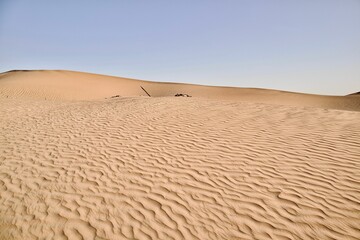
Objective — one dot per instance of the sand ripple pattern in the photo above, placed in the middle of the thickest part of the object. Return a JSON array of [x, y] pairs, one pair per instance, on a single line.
[[177, 168]]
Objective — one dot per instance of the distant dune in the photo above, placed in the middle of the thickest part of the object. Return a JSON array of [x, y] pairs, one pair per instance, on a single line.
[[357, 94], [69, 85], [86, 156]]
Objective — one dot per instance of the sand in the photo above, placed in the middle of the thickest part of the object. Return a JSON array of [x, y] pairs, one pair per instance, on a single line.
[[227, 163], [70, 85]]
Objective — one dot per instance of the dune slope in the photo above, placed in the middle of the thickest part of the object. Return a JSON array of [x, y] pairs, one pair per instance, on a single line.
[[206, 167], [70, 85], [177, 168]]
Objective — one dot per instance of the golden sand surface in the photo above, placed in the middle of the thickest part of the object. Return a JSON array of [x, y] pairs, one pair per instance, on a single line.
[[226, 163]]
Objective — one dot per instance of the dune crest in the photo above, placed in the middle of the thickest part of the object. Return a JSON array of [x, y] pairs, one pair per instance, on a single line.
[[70, 85]]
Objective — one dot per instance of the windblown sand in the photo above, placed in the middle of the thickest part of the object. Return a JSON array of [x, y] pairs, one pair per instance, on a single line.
[[135, 167]]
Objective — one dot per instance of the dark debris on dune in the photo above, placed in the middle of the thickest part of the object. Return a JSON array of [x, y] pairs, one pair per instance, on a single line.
[[182, 95]]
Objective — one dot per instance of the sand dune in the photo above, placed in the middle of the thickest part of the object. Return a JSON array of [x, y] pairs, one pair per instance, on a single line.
[[357, 94], [214, 166], [69, 85]]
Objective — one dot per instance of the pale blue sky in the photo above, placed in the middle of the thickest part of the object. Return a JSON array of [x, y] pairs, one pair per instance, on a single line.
[[308, 46]]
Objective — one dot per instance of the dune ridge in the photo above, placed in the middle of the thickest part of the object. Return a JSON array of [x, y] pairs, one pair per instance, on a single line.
[[71, 85], [79, 166]]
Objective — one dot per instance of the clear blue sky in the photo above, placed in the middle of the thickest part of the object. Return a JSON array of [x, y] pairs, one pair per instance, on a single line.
[[308, 46]]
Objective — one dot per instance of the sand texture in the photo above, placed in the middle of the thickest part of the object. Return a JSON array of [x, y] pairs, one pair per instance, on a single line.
[[213, 166], [69, 85]]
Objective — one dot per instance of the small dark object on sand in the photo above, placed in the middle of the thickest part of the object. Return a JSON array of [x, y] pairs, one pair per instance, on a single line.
[[115, 96], [182, 95], [145, 91]]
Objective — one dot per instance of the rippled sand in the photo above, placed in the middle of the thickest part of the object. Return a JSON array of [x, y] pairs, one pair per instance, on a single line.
[[176, 168]]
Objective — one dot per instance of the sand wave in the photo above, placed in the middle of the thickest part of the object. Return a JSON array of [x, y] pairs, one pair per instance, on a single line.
[[177, 168]]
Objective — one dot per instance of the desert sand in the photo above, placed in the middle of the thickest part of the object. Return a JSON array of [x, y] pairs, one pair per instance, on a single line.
[[227, 163]]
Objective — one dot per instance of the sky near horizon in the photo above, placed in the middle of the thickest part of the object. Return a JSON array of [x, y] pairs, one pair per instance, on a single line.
[[310, 46]]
